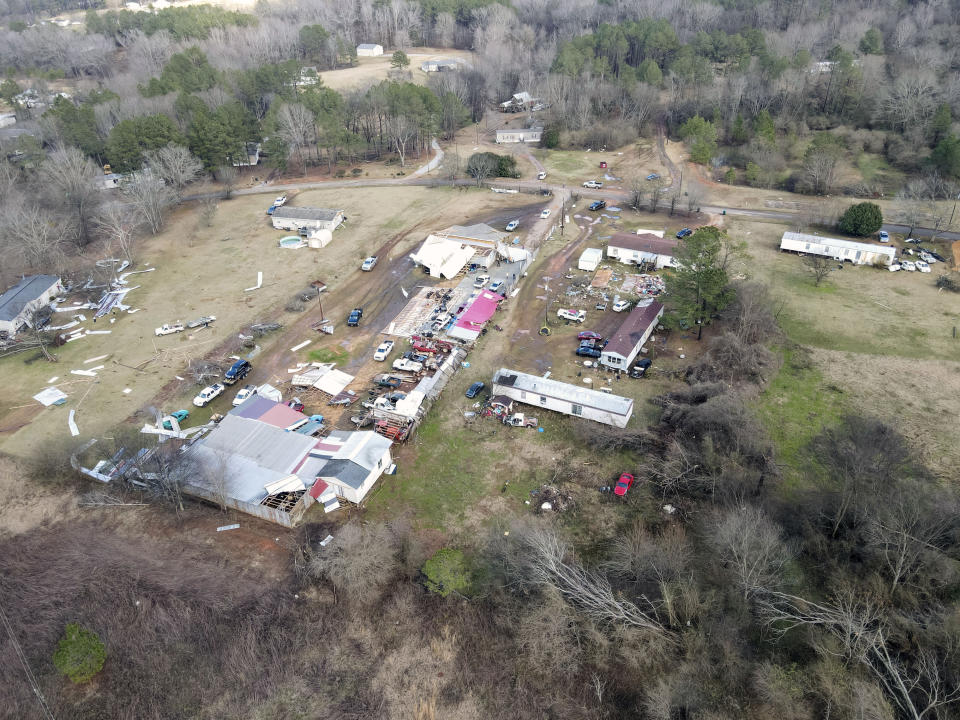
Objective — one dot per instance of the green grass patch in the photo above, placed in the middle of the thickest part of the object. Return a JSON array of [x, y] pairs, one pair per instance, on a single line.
[[795, 407], [327, 355]]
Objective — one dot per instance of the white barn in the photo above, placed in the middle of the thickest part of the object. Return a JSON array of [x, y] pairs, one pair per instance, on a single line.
[[369, 50], [635, 249], [290, 217], [590, 259], [857, 253], [563, 398], [19, 302], [517, 135], [630, 337]]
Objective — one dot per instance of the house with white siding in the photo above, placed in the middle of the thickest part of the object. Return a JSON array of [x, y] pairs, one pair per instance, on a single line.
[[625, 344], [369, 50], [519, 135], [18, 304], [563, 397], [857, 253], [636, 249], [290, 217]]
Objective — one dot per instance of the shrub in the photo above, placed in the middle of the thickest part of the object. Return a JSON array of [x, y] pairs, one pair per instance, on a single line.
[[80, 654], [861, 219], [550, 137], [447, 572]]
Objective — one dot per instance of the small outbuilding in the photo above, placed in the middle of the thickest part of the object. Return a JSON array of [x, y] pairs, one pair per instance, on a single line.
[[369, 50], [590, 259], [519, 135], [18, 304], [857, 253], [563, 397], [629, 338], [441, 65], [290, 217], [635, 249]]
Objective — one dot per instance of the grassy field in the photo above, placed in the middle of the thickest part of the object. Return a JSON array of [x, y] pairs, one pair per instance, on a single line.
[[372, 70], [574, 167]]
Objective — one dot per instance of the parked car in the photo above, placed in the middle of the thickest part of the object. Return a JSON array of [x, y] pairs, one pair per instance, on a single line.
[[922, 266], [178, 415], [545, 213], [640, 369], [383, 350], [541, 175], [593, 184], [271, 209], [237, 371], [623, 484], [936, 256], [208, 393], [280, 201], [883, 236], [169, 328], [407, 365], [603, 164], [685, 232], [353, 319], [475, 389], [588, 352], [481, 281], [927, 257], [369, 263], [513, 225], [620, 305], [575, 315], [246, 392], [589, 335], [653, 176], [598, 205], [894, 267], [497, 286], [913, 240], [908, 265], [387, 381]]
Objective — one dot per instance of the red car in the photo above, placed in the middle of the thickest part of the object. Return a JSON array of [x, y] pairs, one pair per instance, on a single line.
[[589, 335], [623, 484]]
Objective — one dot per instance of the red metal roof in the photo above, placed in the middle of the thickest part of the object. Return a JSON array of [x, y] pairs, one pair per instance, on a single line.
[[318, 489], [281, 416]]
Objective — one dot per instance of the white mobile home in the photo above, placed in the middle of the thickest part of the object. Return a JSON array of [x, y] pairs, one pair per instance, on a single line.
[[19, 302], [630, 337], [518, 135], [355, 461], [369, 50], [840, 250], [290, 217], [590, 259], [563, 398], [635, 249]]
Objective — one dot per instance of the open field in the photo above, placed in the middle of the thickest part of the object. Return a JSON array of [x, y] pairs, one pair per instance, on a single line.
[[574, 167], [372, 70]]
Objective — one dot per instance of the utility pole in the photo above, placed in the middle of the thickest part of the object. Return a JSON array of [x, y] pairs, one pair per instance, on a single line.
[[954, 210]]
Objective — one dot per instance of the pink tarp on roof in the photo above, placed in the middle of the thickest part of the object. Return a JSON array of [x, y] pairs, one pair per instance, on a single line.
[[479, 312]]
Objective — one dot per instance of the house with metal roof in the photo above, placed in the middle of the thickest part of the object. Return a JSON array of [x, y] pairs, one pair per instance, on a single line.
[[590, 259], [354, 461], [630, 337], [442, 65], [369, 50], [18, 304], [639, 248], [518, 135], [446, 252], [857, 253], [290, 217], [563, 397]]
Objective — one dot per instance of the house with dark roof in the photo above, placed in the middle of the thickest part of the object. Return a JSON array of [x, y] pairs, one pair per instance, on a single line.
[[18, 304], [636, 249], [290, 217], [629, 338]]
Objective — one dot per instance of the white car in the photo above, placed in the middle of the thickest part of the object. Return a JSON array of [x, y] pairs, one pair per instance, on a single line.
[[927, 257], [169, 328], [481, 281], [369, 264], [884, 236], [497, 286], [894, 267], [542, 175], [513, 225], [922, 266], [208, 394], [247, 392], [907, 265], [620, 305], [545, 213], [593, 184], [280, 201], [383, 350], [407, 365], [575, 315]]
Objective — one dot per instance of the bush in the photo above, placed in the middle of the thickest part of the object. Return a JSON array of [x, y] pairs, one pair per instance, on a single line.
[[550, 137], [447, 572], [861, 219], [80, 654]]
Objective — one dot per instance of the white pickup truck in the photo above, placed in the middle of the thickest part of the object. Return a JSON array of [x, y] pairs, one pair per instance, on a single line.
[[169, 328], [407, 365], [575, 315]]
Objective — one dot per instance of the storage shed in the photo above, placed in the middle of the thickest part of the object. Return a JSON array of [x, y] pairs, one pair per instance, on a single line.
[[563, 397], [630, 337], [19, 302], [590, 259], [290, 217], [857, 253], [369, 50], [635, 249]]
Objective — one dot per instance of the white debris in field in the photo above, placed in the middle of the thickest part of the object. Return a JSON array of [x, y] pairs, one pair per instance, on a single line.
[[74, 430]]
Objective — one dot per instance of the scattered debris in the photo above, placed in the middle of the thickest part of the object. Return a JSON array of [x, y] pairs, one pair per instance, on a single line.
[[300, 346], [258, 285], [74, 430], [235, 526], [50, 396], [94, 359]]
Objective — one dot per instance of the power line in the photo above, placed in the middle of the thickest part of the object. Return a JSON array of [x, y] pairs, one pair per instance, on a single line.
[[31, 678]]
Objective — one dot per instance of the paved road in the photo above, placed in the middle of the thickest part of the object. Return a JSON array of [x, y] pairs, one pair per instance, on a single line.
[[535, 186]]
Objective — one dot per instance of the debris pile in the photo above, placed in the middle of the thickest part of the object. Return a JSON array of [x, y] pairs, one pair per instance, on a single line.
[[556, 500]]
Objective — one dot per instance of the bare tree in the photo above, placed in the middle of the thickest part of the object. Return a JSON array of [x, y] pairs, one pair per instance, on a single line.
[[118, 223], [72, 178], [750, 545], [150, 196], [656, 188], [820, 170], [638, 191], [402, 130], [227, 176], [176, 165], [695, 196], [358, 563], [819, 266], [480, 166], [298, 128]]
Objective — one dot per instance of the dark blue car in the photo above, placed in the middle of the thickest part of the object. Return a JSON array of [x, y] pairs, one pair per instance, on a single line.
[[475, 389], [684, 233]]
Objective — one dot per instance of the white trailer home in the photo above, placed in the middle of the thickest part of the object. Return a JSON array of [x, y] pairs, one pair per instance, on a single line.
[[563, 398], [369, 50], [290, 217], [857, 253], [519, 135], [630, 337], [635, 249], [590, 259]]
